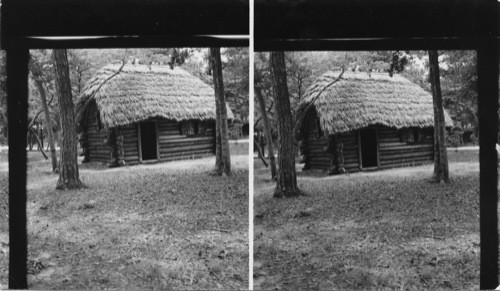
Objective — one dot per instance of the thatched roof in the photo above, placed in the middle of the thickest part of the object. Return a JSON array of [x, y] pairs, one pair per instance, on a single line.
[[137, 93], [358, 100]]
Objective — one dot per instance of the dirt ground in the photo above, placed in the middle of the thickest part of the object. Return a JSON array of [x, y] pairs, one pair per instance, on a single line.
[[389, 229], [160, 226]]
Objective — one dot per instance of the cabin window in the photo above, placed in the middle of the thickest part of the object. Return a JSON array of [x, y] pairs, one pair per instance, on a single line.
[[410, 135], [319, 131], [190, 128]]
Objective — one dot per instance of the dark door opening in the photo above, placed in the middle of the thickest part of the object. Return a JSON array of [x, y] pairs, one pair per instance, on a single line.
[[148, 141], [368, 147]]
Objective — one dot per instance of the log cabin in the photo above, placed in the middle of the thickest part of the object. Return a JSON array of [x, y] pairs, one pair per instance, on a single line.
[[133, 114], [355, 121]]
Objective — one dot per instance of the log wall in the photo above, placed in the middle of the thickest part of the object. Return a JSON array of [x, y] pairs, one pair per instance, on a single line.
[[130, 144], [316, 145], [99, 151], [175, 146], [392, 151], [172, 145]]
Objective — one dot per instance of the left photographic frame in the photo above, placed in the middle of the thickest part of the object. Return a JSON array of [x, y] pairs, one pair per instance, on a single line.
[[154, 210]]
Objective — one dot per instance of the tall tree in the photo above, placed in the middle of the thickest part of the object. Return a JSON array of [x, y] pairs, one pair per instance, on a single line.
[[35, 67], [287, 179], [440, 155], [267, 130], [68, 167], [3, 98], [48, 126], [223, 159]]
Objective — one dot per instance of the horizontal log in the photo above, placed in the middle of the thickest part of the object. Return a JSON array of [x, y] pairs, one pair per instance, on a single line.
[[102, 151], [166, 145], [405, 147], [174, 156], [320, 163], [406, 158], [351, 166], [405, 155], [131, 158], [99, 159], [186, 149], [169, 147], [192, 139], [169, 137], [320, 159], [321, 167], [389, 140], [404, 152], [169, 127], [405, 161], [351, 161], [169, 130], [98, 145], [165, 133], [407, 152], [176, 144], [313, 140], [390, 144], [128, 129], [189, 157], [324, 155], [97, 134], [130, 143], [130, 151], [100, 154], [133, 144], [106, 155], [128, 135], [413, 164], [97, 138]]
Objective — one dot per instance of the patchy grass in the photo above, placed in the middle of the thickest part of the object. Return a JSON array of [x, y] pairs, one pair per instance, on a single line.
[[374, 230], [160, 226]]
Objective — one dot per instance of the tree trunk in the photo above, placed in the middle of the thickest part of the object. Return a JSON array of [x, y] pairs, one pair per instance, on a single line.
[[286, 180], [68, 167], [48, 125], [259, 152], [220, 99], [440, 155], [267, 130], [218, 141]]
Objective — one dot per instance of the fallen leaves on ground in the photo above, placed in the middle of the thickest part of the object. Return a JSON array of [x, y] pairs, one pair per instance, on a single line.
[[374, 230], [161, 226]]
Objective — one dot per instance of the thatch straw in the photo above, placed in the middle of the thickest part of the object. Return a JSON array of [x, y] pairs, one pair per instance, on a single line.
[[138, 93], [359, 100]]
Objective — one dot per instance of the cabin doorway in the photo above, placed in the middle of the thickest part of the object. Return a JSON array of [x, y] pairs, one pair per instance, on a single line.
[[149, 141], [368, 140]]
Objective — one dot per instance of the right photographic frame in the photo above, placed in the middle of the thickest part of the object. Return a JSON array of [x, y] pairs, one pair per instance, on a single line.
[[374, 149]]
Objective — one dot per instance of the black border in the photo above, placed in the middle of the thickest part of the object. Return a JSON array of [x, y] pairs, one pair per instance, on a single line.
[[347, 25], [379, 24], [279, 25], [176, 18], [32, 24]]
